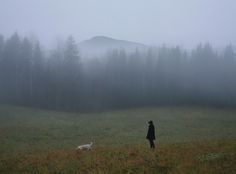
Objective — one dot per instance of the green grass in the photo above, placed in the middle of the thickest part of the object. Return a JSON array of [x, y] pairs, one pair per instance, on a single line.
[[30, 137], [215, 157]]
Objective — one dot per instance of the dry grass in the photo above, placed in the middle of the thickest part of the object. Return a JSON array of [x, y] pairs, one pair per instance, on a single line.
[[37, 141], [215, 157]]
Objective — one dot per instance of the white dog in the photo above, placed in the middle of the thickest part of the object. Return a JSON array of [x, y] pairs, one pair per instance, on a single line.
[[85, 146]]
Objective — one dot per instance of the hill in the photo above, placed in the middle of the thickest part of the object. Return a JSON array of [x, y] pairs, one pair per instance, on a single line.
[[99, 45]]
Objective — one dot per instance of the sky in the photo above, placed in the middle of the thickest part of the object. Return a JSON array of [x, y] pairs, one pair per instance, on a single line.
[[153, 22]]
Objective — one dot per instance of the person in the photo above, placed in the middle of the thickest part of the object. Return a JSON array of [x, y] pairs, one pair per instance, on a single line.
[[151, 134]]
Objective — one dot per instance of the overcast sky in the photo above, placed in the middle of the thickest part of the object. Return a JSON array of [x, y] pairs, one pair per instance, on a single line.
[[184, 22]]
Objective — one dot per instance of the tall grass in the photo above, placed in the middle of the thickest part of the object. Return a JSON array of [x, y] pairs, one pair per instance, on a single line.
[[199, 157], [189, 140]]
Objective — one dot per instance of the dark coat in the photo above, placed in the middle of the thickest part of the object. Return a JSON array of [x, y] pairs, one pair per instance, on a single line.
[[151, 132]]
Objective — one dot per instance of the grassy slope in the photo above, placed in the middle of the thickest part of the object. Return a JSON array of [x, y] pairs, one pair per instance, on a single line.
[[30, 138]]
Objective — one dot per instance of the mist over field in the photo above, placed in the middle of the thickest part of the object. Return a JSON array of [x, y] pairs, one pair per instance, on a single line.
[[114, 74], [85, 56], [101, 75]]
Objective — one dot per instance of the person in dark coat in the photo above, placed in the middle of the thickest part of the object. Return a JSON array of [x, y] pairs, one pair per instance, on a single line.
[[151, 134]]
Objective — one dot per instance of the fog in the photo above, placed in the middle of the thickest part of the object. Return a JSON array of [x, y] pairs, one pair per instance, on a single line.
[[102, 55], [153, 22], [163, 75]]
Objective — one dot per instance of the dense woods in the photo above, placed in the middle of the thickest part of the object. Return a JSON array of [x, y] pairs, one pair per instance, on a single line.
[[60, 79]]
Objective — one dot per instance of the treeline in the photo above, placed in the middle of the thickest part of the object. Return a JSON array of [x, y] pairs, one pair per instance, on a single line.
[[60, 80]]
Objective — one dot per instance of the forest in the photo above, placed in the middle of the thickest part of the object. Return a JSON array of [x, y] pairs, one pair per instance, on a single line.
[[60, 79]]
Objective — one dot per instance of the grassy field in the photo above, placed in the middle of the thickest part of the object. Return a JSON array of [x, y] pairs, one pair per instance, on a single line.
[[189, 140]]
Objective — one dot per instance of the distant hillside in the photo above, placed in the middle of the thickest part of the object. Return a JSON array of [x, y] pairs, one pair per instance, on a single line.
[[99, 45]]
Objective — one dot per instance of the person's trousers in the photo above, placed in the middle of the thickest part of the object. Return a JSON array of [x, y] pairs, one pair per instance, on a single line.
[[152, 145]]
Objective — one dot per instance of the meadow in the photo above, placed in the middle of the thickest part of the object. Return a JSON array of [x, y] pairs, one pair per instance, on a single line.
[[190, 139]]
